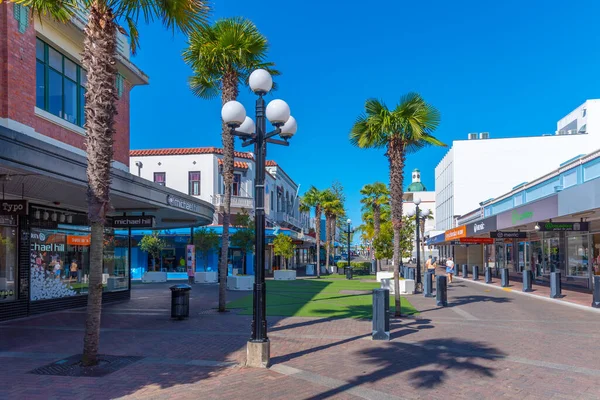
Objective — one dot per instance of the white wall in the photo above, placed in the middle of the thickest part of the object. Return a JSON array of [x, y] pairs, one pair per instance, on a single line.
[[444, 192]]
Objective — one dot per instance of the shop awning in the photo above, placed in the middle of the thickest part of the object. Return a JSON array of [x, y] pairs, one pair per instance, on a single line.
[[49, 175]]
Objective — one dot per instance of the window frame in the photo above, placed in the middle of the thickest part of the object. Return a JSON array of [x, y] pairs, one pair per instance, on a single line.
[[164, 175], [239, 186], [78, 99], [190, 182]]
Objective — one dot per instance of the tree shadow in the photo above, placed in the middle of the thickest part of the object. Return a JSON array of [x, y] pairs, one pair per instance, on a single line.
[[463, 300], [437, 355]]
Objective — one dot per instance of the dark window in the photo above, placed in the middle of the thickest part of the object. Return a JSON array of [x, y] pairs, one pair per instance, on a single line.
[[194, 178], [236, 186], [60, 84], [272, 199], [160, 178]]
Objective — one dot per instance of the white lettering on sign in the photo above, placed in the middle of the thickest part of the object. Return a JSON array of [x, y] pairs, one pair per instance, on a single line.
[[478, 227], [12, 208]]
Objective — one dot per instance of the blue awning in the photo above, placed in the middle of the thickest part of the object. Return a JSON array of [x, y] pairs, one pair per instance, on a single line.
[[441, 238]]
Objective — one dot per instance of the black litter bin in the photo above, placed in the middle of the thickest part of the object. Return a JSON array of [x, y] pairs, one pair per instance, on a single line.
[[180, 301], [348, 271]]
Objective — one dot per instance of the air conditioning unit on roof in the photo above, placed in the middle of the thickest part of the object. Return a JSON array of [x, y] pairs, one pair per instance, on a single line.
[[472, 136]]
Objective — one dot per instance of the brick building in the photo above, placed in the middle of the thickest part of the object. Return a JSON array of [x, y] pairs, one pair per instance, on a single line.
[[44, 233]]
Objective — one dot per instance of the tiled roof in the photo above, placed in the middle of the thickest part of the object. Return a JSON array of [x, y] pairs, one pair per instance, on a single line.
[[186, 151], [271, 163], [236, 164]]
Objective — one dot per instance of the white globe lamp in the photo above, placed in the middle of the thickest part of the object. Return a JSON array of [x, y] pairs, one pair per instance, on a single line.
[[247, 126], [426, 212], [289, 128], [261, 81], [278, 112], [417, 201], [349, 221], [233, 113]]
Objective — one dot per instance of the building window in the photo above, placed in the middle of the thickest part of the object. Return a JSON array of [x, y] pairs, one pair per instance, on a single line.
[[160, 178], [194, 179], [60, 84], [272, 200], [237, 185]]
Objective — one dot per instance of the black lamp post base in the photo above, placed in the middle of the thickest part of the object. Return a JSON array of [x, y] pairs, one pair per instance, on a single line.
[[258, 354]]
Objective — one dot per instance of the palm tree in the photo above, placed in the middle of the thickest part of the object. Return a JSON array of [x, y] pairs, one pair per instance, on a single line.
[[222, 56], [313, 198], [403, 130], [332, 206], [100, 59], [375, 195]]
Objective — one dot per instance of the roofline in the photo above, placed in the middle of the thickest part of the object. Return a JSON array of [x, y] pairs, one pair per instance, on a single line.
[[192, 151]]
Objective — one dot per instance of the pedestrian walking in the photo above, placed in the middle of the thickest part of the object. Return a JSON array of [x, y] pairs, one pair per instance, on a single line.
[[450, 269]]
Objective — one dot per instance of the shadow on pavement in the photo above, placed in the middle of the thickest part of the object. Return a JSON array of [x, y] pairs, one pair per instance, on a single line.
[[463, 300], [437, 355]]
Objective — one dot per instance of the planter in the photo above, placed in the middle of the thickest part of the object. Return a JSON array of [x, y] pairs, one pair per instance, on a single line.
[[285, 275], [384, 275], [407, 286], [154, 276], [333, 269], [240, 282], [206, 277]]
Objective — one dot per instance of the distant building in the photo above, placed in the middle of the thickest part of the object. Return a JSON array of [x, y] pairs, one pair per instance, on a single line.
[[416, 189]]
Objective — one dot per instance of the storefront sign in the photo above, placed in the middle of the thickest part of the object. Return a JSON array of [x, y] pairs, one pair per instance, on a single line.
[[13, 207], [564, 226], [8, 220], [477, 241], [532, 212], [146, 221], [456, 233], [178, 202], [75, 240], [441, 238], [190, 257], [483, 226], [508, 235]]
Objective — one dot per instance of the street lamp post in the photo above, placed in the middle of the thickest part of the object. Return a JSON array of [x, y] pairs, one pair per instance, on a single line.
[[234, 115], [418, 215], [350, 231]]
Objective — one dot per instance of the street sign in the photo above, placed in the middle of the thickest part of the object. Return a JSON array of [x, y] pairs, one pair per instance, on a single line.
[[564, 226], [508, 235], [13, 207], [146, 221]]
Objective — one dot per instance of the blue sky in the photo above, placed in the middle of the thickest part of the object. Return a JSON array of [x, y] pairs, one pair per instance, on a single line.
[[509, 68]]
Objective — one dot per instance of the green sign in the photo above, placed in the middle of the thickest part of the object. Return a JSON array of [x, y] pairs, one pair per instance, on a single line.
[[564, 226], [517, 217]]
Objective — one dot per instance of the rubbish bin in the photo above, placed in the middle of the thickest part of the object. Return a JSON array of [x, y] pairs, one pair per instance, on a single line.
[[180, 301], [348, 271]]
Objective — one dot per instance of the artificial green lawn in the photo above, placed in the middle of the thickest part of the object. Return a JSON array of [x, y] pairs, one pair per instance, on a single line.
[[314, 297]]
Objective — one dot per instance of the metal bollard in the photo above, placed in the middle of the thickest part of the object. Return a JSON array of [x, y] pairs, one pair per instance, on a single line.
[[373, 267], [475, 272], [555, 289], [428, 285], [488, 275], [504, 277], [381, 314], [465, 271], [403, 271], [596, 298], [411, 273], [441, 293], [527, 280]]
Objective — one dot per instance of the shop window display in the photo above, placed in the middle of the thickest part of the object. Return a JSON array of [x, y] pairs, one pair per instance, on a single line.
[[8, 262]]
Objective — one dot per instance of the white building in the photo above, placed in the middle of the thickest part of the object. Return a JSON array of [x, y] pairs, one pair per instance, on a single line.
[[483, 168], [418, 190], [197, 172]]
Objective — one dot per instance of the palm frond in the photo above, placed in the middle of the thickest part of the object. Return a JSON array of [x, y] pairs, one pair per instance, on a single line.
[[60, 10]]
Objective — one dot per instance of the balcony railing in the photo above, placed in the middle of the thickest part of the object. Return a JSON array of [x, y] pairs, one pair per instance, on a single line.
[[236, 201], [80, 18], [285, 217]]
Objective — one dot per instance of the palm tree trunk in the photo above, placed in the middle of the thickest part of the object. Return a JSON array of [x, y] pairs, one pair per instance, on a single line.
[[229, 93], [318, 237], [99, 59], [377, 227], [396, 156], [327, 239]]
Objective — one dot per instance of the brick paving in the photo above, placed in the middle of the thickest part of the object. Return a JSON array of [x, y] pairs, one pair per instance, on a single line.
[[488, 343]]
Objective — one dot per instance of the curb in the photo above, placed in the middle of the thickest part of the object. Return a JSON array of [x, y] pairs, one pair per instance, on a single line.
[[535, 296]]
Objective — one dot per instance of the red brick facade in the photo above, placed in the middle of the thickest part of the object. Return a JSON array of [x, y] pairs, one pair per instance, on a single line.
[[18, 84]]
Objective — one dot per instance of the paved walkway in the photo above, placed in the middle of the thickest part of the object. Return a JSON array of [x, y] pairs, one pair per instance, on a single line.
[[487, 344]]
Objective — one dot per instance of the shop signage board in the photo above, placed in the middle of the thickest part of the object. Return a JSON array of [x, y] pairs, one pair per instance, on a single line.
[[441, 238], [146, 221], [13, 207], [76, 240], [533, 212], [484, 226], [8, 220], [564, 226], [508, 235], [190, 257], [178, 202], [456, 233], [476, 241]]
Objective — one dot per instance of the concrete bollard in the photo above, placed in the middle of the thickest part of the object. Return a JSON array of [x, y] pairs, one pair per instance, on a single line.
[[475, 272], [465, 271], [441, 293], [428, 285], [596, 298], [527, 279], [504, 276], [555, 289], [488, 274], [381, 314]]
